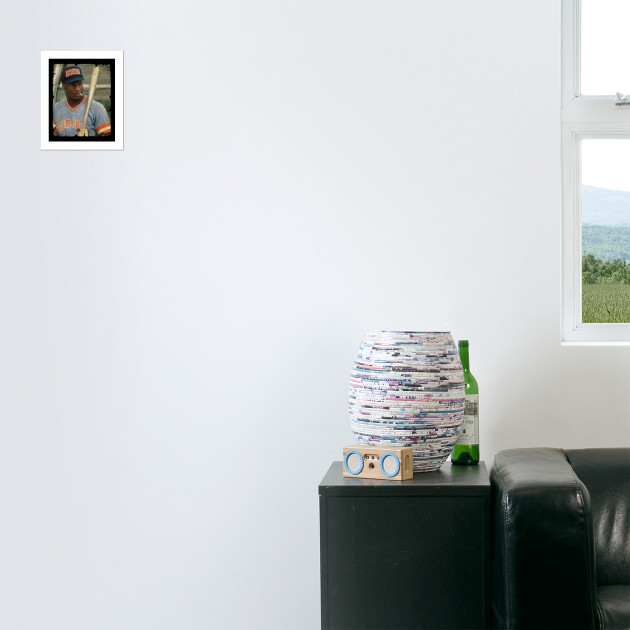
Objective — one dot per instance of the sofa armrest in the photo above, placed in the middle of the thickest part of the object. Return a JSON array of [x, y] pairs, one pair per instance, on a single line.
[[543, 564]]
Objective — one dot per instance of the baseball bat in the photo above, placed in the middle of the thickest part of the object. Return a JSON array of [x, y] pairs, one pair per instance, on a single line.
[[59, 68], [83, 130]]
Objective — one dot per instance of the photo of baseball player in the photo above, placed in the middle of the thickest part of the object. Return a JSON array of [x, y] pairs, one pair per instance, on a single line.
[[82, 100], [78, 114]]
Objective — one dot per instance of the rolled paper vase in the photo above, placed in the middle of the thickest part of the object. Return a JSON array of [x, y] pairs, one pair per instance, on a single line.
[[407, 389]]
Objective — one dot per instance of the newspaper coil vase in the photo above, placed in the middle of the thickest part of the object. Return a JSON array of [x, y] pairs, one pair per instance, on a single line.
[[407, 389]]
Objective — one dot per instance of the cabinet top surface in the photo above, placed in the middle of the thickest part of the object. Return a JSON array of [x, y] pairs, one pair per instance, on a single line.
[[449, 480]]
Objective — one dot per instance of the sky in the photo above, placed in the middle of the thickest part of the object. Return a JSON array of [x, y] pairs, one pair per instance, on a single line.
[[605, 51], [605, 64], [606, 163]]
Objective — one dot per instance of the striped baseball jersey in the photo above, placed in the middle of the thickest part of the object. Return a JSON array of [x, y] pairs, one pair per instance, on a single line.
[[67, 120]]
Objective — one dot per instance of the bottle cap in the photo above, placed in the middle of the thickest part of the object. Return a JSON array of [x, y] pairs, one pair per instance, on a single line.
[[463, 342]]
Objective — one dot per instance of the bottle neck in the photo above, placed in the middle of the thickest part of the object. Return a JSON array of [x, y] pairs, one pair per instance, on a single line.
[[463, 355]]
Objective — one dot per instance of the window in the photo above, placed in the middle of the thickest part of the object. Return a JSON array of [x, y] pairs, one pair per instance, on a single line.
[[595, 172]]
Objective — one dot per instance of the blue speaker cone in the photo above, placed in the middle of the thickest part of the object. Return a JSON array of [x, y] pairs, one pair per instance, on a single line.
[[353, 462], [390, 464]]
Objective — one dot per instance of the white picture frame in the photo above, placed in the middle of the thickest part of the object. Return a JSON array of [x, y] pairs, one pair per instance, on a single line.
[[108, 87]]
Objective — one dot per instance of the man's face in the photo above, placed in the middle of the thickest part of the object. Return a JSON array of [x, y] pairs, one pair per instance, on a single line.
[[73, 90]]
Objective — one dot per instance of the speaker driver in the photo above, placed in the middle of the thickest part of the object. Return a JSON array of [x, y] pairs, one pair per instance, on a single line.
[[390, 464], [353, 462]]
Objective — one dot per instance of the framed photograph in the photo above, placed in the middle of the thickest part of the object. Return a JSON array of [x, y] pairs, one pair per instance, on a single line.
[[82, 100]]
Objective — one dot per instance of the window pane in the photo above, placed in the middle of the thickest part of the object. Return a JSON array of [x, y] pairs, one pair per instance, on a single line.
[[605, 51], [606, 231]]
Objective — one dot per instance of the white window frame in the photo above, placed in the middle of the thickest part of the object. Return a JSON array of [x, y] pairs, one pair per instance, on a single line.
[[583, 117]]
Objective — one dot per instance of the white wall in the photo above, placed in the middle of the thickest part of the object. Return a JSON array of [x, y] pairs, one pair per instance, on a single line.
[[178, 320]]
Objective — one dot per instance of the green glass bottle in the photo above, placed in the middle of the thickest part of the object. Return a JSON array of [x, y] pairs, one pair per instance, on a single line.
[[466, 449]]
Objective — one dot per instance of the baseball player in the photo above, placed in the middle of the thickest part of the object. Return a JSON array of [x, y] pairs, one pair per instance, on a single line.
[[68, 113]]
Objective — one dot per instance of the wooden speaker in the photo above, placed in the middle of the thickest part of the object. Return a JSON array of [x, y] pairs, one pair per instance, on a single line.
[[372, 462]]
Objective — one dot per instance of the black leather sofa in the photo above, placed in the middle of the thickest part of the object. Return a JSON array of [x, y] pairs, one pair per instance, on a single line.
[[561, 539]]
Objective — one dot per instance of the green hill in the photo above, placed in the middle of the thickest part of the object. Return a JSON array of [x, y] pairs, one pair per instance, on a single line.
[[606, 242]]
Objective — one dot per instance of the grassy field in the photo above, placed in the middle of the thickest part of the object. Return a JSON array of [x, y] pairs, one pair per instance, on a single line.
[[606, 303]]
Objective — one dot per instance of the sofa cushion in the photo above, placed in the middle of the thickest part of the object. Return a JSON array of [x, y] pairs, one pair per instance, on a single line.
[[606, 474], [613, 607]]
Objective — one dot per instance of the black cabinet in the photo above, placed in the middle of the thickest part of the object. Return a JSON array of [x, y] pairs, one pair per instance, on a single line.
[[406, 554]]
